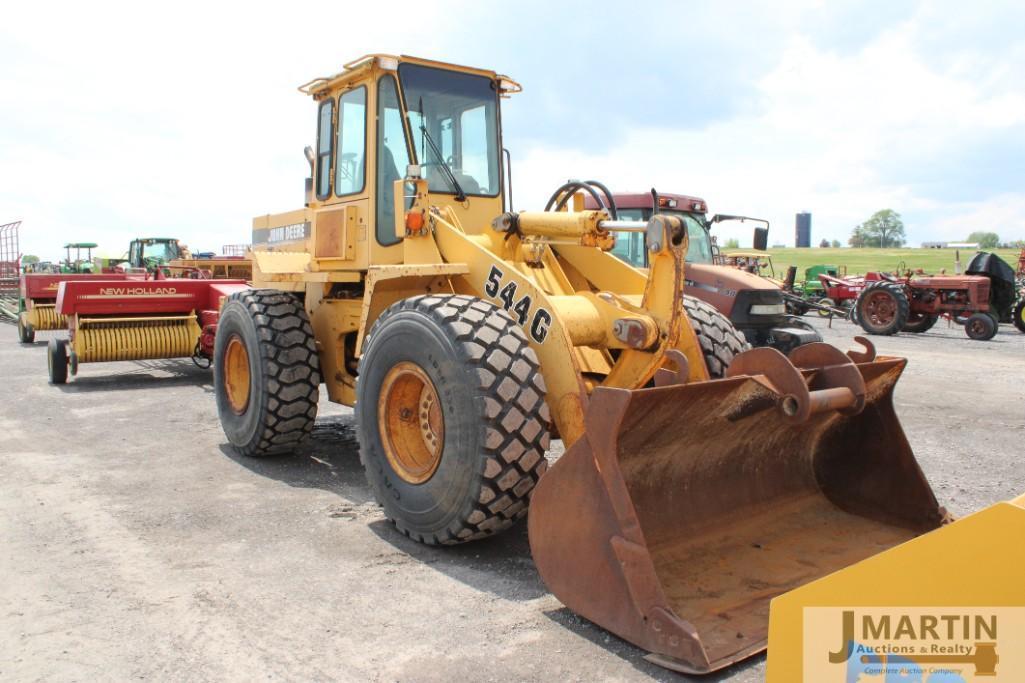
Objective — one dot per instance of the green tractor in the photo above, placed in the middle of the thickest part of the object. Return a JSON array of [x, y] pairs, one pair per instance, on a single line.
[[78, 264], [154, 252], [811, 290]]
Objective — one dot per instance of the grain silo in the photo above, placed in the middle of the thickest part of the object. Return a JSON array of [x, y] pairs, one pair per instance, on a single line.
[[802, 230]]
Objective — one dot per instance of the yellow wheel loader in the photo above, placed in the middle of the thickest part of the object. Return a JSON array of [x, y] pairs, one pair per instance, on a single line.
[[467, 335]]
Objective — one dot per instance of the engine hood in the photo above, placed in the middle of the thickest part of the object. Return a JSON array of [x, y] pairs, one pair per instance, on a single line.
[[724, 277]]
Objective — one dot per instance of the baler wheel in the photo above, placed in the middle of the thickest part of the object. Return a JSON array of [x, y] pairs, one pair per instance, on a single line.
[[883, 308], [57, 360], [719, 339], [453, 425], [26, 333], [266, 372], [981, 326], [1018, 315]]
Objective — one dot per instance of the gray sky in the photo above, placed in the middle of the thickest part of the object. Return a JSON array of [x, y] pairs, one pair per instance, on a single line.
[[131, 119]]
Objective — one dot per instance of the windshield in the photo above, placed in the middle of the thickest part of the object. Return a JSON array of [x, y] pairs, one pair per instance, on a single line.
[[153, 252], [630, 245], [459, 113]]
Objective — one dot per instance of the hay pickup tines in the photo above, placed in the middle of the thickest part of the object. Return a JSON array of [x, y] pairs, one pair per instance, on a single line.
[[112, 320]]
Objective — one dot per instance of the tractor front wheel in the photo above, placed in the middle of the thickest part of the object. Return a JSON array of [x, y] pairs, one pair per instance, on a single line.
[[453, 425], [719, 339], [981, 326], [1018, 315], [882, 308], [57, 360], [266, 372], [26, 333]]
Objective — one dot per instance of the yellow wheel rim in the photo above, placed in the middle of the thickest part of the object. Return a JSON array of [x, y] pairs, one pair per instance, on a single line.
[[411, 423], [236, 375]]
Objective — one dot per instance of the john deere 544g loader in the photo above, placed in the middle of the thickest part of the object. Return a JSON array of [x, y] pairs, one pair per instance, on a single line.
[[467, 334]]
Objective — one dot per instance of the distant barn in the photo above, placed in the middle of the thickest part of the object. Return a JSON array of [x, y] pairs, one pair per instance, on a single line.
[[950, 245]]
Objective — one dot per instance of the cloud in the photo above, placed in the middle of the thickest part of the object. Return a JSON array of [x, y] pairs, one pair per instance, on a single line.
[[128, 119], [841, 135]]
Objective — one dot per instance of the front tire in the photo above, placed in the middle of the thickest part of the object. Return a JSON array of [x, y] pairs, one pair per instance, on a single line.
[[720, 341], [266, 372], [453, 425], [57, 360], [981, 326]]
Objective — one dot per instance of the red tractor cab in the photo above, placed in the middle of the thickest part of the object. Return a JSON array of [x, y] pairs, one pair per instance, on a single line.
[[754, 304]]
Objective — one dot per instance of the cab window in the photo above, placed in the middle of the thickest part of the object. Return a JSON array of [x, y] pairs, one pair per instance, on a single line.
[[453, 118], [351, 142], [324, 138], [630, 245], [392, 157]]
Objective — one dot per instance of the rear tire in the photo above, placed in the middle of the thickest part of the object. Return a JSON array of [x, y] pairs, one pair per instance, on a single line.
[[919, 322], [26, 333], [720, 341], [882, 308], [1018, 315], [266, 372], [980, 326], [469, 474], [57, 360]]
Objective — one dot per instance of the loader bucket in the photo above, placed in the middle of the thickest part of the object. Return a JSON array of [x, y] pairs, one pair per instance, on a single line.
[[685, 509]]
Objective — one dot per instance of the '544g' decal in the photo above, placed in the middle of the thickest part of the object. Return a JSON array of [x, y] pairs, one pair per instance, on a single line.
[[505, 295]]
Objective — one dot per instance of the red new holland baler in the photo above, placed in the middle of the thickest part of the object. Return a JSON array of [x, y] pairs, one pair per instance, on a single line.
[[37, 298], [112, 320]]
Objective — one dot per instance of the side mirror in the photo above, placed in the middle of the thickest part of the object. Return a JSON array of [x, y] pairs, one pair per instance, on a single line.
[[761, 239]]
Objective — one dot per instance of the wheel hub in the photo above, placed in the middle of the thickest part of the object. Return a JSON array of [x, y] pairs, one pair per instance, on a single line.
[[236, 375], [880, 308], [411, 423]]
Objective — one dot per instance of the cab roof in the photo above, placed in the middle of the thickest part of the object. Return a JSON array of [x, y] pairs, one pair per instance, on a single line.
[[643, 200], [358, 68]]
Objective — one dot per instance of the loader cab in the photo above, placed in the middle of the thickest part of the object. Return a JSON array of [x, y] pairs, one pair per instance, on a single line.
[[380, 117]]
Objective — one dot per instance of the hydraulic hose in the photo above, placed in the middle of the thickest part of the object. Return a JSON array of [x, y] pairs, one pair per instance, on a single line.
[[562, 195]]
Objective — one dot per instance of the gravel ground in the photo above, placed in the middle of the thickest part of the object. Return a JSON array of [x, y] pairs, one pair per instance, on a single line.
[[137, 545]]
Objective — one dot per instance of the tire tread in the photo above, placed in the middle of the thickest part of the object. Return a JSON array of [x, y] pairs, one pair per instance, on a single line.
[[719, 339], [288, 353], [514, 418]]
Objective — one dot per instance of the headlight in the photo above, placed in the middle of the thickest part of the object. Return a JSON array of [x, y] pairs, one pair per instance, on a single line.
[[767, 309]]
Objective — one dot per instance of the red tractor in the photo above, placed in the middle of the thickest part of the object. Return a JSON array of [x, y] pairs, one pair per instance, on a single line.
[[980, 299], [842, 292], [754, 304]]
